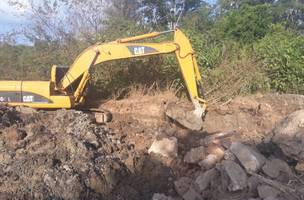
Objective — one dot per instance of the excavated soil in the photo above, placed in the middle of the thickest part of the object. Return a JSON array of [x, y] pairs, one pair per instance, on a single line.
[[64, 154]]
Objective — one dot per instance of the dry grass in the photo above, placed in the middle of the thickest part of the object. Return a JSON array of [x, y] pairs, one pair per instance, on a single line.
[[241, 77], [175, 87]]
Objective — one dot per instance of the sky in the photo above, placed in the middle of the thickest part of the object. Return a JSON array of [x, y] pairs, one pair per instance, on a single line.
[[12, 18]]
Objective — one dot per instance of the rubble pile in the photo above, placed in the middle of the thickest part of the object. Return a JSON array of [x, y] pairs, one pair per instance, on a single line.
[[58, 155], [242, 171]]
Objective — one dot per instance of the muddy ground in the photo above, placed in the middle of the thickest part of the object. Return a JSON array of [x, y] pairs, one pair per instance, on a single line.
[[64, 154]]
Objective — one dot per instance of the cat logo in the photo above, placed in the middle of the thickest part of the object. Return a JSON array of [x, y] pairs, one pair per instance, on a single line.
[[139, 50], [28, 99]]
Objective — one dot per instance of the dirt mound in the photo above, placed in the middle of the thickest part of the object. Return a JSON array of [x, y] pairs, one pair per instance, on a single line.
[[59, 155], [66, 155], [253, 117]]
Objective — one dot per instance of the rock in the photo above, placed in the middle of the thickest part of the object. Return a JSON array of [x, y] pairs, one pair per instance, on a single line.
[[300, 167], [195, 155], [250, 159], [266, 191], [26, 110], [252, 183], [226, 142], [274, 167], [191, 194], [166, 147], [223, 137], [235, 174], [289, 135], [209, 162], [184, 116], [182, 185], [161, 197], [229, 156], [203, 181], [91, 139], [216, 154], [103, 117]]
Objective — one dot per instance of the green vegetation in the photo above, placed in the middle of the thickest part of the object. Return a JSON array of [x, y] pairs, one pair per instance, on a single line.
[[281, 56], [242, 46]]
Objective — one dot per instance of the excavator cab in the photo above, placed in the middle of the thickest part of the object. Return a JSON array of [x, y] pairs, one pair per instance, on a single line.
[[57, 73]]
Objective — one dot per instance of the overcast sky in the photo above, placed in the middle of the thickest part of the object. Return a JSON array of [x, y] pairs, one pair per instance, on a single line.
[[11, 18]]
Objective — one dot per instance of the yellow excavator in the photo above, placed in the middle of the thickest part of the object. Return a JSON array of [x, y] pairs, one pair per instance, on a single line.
[[67, 86]]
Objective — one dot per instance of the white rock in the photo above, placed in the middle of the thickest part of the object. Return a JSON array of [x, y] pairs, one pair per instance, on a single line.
[[166, 147], [184, 116], [289, 135]]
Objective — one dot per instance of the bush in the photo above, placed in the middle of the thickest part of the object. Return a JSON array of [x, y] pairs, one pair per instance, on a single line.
[[208, 53], [245, 25], [280, 54]]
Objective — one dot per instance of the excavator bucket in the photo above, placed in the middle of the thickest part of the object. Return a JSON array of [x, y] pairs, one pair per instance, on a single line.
[[185, 116]]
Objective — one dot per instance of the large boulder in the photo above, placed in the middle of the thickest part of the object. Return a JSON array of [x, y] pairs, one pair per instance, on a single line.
[[289, 135], [274, 167], [185, 116], [234, 174], [250, 159]]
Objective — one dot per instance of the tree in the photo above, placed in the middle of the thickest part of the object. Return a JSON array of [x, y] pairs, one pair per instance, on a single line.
[[8, 38], [247, 24], [227, 5], [159, 13], [56, 20]]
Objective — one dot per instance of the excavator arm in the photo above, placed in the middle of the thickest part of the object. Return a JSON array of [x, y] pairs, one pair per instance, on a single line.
[[129, 48]]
